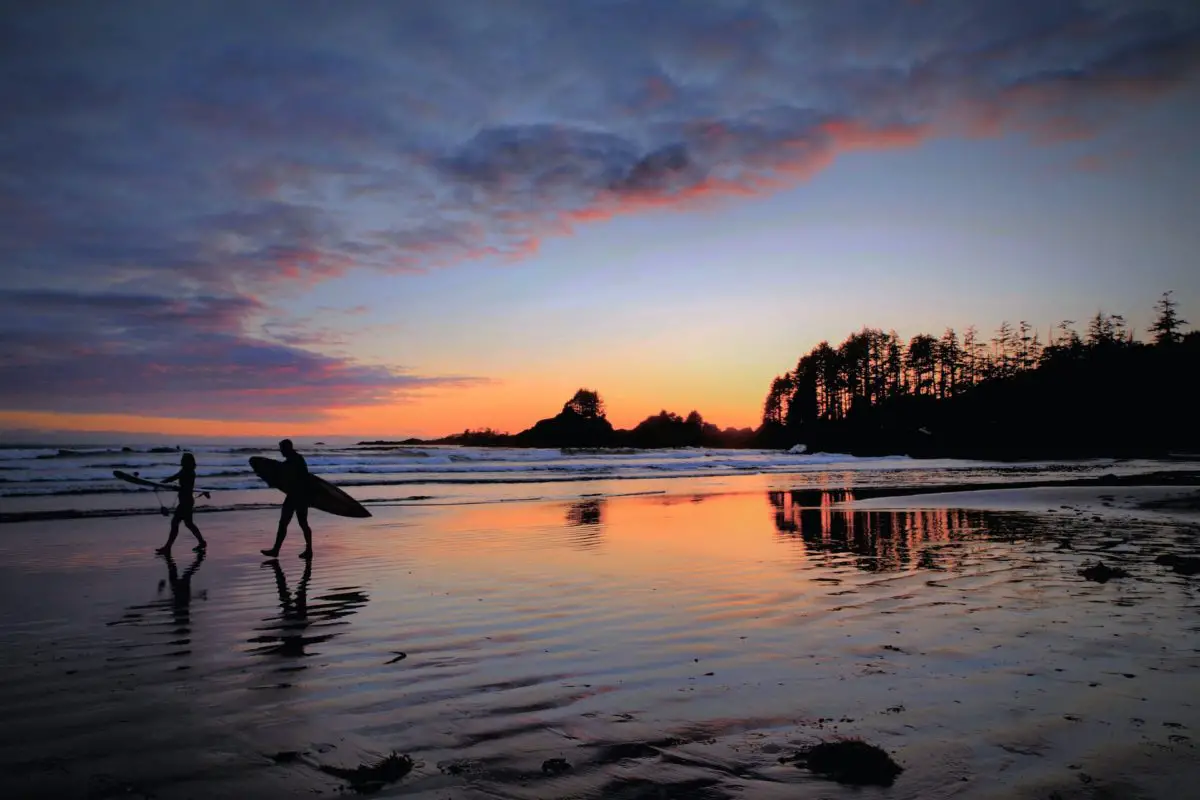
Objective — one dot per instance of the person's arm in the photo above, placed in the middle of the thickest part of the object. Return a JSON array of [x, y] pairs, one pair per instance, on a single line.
[[173, 478]]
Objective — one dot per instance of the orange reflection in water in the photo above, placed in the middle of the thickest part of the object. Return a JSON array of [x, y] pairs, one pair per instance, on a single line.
[[718, 535], [643, 529], [882, 539]]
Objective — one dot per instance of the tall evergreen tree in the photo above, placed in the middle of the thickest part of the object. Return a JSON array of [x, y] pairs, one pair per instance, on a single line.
[[1167, 324]]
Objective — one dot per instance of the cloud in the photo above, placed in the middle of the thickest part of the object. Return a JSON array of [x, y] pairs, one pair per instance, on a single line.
[[191, 359], [253, 149], [219, 152]]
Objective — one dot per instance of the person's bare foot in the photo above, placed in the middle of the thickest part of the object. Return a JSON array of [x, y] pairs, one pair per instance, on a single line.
[[270, 553], [200, 548], [306, 554], [162, 551]]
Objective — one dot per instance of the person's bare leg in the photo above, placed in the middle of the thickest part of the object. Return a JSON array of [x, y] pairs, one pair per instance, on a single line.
[[166, 548], [302, 518], [191, 526], [285, 518]]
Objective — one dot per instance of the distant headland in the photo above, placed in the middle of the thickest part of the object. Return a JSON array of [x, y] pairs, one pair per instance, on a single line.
[[1010, 397]]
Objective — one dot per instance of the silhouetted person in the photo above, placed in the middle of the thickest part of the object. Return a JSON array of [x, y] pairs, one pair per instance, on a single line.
[[296, 501], [187, 504]]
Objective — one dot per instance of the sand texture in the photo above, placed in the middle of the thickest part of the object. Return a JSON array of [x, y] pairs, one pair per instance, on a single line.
[[662, 646]]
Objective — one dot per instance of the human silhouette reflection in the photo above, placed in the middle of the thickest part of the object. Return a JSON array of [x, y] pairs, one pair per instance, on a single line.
[[177, 605], [181, 589], [881, 540], [299, 624], [586, 521]]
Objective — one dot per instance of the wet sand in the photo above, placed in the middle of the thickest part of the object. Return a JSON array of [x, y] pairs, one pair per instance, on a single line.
[[1118, 502], [661, 646]]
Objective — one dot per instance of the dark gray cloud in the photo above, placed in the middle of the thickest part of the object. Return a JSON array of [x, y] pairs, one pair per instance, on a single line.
[[190, 358], [216, 151], [217, 140]]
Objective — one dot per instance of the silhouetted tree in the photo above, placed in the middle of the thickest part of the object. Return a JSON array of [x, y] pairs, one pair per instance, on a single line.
[[895, 365], [949, 366], [1003, 352], [586, 404], [1167, 324], [972, 368], [773, 407], [922, 352], [1028, 346]]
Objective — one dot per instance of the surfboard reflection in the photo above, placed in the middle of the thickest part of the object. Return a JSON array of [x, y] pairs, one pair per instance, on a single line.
[[302, 623], [176, 607]]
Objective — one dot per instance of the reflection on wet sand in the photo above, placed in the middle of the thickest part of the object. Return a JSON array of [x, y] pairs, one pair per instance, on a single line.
[[295, 628], [587, 521], [882, 540], [177, 606], [686, 655]]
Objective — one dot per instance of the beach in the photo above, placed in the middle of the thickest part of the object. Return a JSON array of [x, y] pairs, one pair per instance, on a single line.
[[681, 644]]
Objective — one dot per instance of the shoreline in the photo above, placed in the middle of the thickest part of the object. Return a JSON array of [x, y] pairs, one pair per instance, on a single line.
[[263, 499]]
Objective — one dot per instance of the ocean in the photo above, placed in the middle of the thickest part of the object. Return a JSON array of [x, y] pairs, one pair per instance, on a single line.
[[65, 481]]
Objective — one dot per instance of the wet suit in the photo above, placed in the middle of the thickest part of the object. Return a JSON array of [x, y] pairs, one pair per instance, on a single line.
[[186, 506], [295, 503]]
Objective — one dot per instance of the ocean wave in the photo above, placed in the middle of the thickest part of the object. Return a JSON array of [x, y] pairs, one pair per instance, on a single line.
[[82, 472]]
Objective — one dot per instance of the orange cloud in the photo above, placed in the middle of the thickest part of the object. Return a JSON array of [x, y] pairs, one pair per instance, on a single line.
[[810, 155]]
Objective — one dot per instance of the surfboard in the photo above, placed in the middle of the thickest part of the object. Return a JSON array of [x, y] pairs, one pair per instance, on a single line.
[[134, 479], [321, 493]]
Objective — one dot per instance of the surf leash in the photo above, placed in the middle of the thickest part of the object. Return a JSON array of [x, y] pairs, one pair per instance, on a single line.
[[162, 509]]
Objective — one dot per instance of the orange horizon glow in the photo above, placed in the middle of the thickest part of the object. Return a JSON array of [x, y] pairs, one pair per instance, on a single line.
[[505, 408]]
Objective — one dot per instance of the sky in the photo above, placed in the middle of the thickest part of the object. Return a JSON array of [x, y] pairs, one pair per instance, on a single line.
[[386, 219]]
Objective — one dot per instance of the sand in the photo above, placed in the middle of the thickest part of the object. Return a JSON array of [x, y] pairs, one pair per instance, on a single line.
[[668, 646]]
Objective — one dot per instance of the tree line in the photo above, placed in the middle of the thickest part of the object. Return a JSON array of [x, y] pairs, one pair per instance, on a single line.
[[1011, 395], [974, 396]]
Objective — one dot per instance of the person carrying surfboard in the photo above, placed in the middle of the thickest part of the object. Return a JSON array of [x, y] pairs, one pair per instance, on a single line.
[[296, 501], [187, 504]]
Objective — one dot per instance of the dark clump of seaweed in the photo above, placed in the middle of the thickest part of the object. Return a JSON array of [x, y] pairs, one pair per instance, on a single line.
[[1184, 565], [555, 766], [370, 778], [849, 761], [1102, 573]]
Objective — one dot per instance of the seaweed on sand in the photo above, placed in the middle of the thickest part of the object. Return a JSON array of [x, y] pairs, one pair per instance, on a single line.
[[370, 778], [1102, 573], [849, 761], [1184, 565]]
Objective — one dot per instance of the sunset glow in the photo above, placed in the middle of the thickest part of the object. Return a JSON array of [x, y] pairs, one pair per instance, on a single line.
[[392, 220]]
